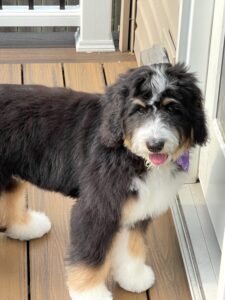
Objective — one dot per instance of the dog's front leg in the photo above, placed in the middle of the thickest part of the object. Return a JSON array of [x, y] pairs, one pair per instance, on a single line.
[[86, 282], [128, 261], [89, 255]]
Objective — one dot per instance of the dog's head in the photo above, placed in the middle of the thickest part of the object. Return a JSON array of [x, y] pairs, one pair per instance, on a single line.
[[155, 111]]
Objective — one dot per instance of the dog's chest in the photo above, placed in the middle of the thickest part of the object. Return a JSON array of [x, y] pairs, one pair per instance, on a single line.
[[155, 192]]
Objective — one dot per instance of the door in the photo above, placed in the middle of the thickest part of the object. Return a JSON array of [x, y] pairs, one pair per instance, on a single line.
[[212, 157]]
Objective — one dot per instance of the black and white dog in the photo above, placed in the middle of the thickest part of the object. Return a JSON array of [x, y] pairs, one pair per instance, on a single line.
[[123, 154]]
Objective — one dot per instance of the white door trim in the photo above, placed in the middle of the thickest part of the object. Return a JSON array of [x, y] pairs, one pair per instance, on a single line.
[[194, 37], [212, 92], [199, 245]]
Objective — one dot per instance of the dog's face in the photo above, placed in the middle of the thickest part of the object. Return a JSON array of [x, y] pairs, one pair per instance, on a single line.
[[156, 112]]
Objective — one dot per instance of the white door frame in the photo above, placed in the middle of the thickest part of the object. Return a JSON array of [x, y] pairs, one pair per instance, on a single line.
[[198, 244], [194, 38], [212, 94]]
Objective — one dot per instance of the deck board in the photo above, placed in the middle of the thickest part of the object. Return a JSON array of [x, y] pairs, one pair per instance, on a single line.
[[114, 69], [47, 276], [165, 258], [13, 254], [43, 55], [46, 74], [87, 77]]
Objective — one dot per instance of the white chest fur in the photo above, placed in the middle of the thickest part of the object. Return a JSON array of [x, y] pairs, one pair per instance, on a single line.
[[155, 193]]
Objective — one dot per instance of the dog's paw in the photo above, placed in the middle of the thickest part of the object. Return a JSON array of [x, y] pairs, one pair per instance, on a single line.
[[98, 293], [36, 225], [137, 280]]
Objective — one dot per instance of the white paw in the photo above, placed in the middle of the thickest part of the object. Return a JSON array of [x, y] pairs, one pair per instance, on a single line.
[[137, 280], [98, 293], [37, 225]]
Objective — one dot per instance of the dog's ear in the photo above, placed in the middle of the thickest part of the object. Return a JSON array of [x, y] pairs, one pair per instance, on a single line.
[[188, 82], [111, 128], [200, 133]]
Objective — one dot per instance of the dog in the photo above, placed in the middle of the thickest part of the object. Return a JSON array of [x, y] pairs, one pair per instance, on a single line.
[[123, 154]]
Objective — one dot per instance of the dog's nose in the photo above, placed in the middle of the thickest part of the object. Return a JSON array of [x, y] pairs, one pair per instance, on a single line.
[[155, 145]]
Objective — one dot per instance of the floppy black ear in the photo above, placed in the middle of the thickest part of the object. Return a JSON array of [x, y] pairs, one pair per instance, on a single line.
[[111, 129], [200, 133], [188, 83]]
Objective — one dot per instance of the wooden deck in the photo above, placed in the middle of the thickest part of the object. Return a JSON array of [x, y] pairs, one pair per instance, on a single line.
[[35, 270]]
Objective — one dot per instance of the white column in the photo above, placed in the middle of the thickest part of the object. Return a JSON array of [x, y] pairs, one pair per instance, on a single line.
[[221, 284], [95, 27]]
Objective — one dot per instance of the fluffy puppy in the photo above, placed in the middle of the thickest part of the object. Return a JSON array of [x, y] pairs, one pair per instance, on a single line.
[[123, 154]]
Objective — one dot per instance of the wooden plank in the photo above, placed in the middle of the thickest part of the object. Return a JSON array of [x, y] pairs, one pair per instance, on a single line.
[[165, 258], [47, 277], [13, 254], [59, 55], [84, 77], [10, 73], [113, 70], [47, 272], [120, 294], [46, 74]]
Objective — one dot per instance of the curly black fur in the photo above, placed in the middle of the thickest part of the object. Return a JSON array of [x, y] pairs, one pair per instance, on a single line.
[[72, 142]]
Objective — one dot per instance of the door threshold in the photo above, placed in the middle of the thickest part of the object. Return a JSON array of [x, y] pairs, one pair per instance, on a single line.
[[199, 246]]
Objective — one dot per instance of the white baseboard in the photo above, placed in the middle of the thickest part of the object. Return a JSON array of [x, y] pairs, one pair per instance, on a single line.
[[93, 45]]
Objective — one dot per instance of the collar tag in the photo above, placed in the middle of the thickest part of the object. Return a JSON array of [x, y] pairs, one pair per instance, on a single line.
[[148, 165]]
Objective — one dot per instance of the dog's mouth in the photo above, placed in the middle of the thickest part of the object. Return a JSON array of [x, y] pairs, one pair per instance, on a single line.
[[158, 158]]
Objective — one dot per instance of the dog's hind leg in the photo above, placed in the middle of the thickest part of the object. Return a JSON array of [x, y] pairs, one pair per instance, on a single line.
[[128, 261], [20, 223]]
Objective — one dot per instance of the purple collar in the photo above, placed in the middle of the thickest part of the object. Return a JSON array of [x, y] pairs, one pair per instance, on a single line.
[[183, 161]]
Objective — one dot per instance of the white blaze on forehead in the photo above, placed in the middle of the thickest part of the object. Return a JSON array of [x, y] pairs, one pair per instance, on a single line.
[[159, 83]]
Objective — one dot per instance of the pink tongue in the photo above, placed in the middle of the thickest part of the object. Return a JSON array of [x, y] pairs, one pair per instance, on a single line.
[[158, 158]]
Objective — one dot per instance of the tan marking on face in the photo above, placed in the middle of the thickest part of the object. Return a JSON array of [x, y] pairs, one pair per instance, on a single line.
[[128, 142], [185, 146], [13, 206], [82, 277], [166, 101], [139, 102], [136, 244]]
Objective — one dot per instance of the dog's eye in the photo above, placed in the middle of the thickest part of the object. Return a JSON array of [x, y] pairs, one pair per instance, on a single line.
[[138, 109], [141, 110], [172, 108], [146, 96]]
